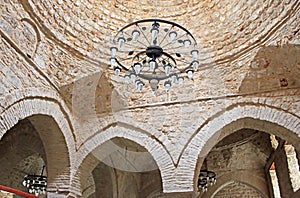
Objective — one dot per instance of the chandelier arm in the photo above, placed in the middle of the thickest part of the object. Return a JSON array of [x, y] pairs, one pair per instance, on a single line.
[[137, 40], [124, 67], [117, 35], [161, 59], [160, 69], [131, 45], [165, 59], [138, 54], [183, 61], [175, 41], [188, 52], [169, 56], [166, 35], [141, 61], [114, 40], [158, 20], [160, 62], [143, 34], [182, 71], [125, 59]]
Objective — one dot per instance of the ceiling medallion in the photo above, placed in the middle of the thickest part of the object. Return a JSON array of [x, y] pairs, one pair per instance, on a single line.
[[156, 51]]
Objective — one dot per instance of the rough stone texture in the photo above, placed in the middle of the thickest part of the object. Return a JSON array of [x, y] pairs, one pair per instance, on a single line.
[[236, 190], [54, 57], [239, 163], [106, 181], [282, 173], [293, 166], [283, 168], [21, 153], [275, 185], [242, 23], [6, 194]]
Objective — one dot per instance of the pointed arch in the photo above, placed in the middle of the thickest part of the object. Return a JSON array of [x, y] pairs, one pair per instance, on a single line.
[[238, 116], [160, 155], [51, 118], [245, 177]]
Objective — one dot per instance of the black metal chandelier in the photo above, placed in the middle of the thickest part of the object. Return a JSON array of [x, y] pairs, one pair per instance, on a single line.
[[154, 50], [206, 178], [36, 184]]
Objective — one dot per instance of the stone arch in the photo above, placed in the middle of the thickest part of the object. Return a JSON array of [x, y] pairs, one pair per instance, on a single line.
[[29, 23], [238, 116], [24, 103], [49, 117], [245, 177], [86, 161], [17, 147], [230, 185]]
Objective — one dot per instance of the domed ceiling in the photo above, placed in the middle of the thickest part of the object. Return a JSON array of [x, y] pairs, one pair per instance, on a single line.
[[69, 42], [222, 28]]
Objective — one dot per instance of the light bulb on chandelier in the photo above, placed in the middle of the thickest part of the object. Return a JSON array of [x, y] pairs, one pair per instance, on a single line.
[[36, 184], [154, 50], [205, 179]]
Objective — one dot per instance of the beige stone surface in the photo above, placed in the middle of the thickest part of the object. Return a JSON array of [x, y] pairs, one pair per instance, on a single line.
[[237, 189], [54, 72]]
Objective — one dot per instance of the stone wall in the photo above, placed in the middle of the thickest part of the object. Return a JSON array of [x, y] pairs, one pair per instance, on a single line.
[[22, 153], [239, 166], [54, 58], [293, 166], [5, 195], [238, 190]]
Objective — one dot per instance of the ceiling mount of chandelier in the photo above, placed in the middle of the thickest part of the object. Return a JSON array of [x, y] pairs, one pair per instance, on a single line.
[[154, 51]]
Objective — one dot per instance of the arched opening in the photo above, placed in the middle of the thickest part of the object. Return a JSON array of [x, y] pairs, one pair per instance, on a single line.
[[239, 189], [120, 168], [239, 157], [29, 145], [22, 153], [241, 151], [57, 154]]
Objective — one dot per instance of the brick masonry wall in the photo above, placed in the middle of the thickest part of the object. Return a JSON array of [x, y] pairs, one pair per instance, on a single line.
[[48, 46], [21, 153]]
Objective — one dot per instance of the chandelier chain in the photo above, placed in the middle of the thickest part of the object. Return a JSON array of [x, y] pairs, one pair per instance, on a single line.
[[156, 9]]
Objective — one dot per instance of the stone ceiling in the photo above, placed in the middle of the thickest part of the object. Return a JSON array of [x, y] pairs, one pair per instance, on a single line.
[[222, 28], [71, 40]]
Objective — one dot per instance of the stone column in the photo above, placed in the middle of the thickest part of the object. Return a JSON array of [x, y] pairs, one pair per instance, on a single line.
[[269, 182], [298, 156], [282, 171]]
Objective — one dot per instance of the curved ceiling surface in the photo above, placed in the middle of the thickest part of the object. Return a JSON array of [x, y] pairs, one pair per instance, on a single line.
[[222, 28]]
